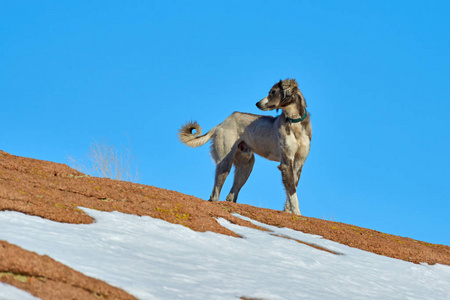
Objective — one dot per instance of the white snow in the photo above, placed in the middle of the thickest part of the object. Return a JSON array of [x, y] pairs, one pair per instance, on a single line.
[[153, 259], [9, 292]]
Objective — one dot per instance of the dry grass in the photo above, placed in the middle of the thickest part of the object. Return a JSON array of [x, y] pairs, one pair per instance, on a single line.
[[105, 160]]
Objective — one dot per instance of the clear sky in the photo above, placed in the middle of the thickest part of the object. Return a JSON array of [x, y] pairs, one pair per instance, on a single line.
[[375, 75]]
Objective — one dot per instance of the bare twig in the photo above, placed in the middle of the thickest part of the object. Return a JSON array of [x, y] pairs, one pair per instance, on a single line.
[[105, 160]]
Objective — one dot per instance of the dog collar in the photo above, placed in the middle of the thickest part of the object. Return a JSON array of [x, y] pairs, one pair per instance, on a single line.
[[299, 119]]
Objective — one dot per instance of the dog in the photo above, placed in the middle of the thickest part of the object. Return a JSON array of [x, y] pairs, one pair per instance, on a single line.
[[285, 139]]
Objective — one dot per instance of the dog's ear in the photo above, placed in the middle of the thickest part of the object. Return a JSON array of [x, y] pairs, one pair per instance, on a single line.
[[301, 103], [290, 92]]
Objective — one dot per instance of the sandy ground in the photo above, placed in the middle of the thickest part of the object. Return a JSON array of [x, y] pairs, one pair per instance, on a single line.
[[54, 191]]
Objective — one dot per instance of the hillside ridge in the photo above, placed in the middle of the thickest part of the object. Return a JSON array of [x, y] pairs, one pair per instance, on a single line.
[[55, 191]]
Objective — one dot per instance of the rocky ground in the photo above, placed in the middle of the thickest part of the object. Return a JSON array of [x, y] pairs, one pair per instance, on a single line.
[[55, 191]]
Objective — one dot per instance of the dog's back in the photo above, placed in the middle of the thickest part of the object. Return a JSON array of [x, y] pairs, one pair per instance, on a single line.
[[256, 131]]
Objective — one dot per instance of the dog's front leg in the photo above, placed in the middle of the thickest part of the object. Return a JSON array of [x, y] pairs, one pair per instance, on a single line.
[[289, 180]]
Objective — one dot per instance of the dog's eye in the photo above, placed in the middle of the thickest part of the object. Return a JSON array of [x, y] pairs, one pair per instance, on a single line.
[[272, 92]]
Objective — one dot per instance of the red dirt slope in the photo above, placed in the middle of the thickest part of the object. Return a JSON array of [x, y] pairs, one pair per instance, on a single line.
[[54, 191]]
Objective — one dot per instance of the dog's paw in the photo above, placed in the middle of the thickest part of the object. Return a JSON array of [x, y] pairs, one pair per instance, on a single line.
[[231, 198]]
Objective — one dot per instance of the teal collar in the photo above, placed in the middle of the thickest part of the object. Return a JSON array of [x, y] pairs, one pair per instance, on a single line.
[[299, 119]]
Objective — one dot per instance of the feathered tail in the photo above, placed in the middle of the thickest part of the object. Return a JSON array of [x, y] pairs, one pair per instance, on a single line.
[[194, 139]]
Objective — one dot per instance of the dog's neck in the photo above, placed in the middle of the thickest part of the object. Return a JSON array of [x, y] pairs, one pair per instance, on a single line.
[[294, 114]]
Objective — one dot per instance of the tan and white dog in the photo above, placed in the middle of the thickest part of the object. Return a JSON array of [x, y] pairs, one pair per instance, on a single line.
[[285, 139]]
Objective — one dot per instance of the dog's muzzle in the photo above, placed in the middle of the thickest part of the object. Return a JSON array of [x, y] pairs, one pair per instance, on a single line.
[[262, 105]]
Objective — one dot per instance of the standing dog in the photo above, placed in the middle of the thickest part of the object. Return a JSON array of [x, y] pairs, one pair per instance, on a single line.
[[285, 139]]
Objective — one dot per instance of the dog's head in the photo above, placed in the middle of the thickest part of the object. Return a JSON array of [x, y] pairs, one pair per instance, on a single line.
[[283, 94]]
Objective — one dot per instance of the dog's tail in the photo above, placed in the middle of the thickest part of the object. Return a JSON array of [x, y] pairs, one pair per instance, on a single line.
[[191, 139]]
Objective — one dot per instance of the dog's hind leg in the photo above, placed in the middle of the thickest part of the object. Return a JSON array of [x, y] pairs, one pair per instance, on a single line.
[[222, 170], [243, 164], [223, 150]]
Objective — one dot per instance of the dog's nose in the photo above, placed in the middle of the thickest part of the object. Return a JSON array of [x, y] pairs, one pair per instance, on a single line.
[[258, 105]]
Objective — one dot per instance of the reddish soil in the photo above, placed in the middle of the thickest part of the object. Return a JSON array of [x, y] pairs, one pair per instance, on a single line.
[[48, 279], [55, 191]]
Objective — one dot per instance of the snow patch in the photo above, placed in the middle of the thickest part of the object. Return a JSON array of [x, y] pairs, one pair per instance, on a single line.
[[153, 259], [9, 292]]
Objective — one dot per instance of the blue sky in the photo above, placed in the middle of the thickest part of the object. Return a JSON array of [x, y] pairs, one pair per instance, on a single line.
[[375, 75]]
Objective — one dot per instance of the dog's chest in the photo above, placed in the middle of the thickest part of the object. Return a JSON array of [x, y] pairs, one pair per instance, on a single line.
[[297, 142]]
